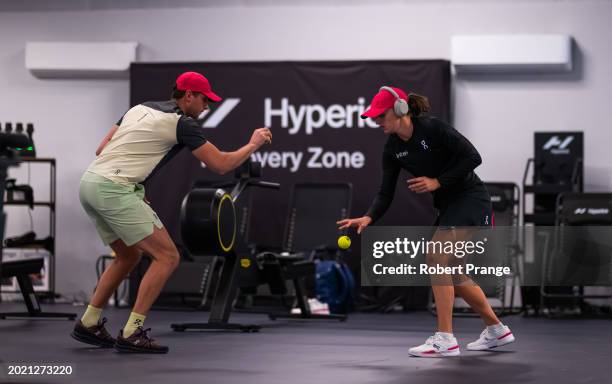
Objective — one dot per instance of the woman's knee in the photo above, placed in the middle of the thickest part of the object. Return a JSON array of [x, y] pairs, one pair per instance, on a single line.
[[435, 259]]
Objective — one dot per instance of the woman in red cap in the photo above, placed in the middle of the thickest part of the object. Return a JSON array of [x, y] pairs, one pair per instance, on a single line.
[[443, 163]]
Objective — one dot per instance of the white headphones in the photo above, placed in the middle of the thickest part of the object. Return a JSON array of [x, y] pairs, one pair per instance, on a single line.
[[400, 107]]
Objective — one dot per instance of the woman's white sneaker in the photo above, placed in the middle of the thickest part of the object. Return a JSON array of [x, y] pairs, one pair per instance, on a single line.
[[490, 340], [437, 346]]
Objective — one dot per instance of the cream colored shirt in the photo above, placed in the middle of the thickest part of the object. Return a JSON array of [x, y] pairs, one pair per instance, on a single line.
[[149, 135]]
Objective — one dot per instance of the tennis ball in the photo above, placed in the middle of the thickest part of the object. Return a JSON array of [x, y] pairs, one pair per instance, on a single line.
[[344, 242]]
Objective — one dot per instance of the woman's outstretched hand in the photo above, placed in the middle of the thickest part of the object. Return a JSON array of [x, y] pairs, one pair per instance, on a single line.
[[360, 223]]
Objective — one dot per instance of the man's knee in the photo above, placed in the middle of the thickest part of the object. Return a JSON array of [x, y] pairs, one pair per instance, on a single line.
[[125, 254], [169, 257], [133, 258], [175, 259]]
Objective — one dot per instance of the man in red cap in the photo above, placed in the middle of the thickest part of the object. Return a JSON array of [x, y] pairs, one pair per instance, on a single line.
[[442, 162], [111, 192]]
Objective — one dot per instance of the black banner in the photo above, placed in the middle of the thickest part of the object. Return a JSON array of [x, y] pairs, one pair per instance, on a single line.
[[313, 111]]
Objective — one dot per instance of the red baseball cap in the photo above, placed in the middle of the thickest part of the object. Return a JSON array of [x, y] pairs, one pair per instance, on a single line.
[[382, 101], [196, 82]]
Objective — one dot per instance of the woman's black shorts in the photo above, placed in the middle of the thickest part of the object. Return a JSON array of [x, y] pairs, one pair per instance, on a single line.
[[472, 208]]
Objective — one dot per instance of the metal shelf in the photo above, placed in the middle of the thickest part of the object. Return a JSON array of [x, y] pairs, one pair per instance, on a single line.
[[52, 218], [37, 160]]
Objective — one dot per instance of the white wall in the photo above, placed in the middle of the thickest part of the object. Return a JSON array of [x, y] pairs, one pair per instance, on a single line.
[[499, 114]]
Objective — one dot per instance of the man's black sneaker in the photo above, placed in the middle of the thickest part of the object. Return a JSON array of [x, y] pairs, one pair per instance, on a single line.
[[96, 335], [139, 342]]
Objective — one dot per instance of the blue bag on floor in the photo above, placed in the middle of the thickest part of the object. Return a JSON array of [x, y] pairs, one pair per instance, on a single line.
[[334, 285]]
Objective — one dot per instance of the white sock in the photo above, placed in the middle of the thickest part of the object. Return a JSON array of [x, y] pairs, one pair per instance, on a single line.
[[445, 336], [496, 329]]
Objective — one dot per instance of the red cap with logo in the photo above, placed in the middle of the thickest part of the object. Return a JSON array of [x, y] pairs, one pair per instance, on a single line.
[[196, 82], [382, 101]]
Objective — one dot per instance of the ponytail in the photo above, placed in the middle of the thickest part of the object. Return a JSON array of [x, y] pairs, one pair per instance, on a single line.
[[418, 105]]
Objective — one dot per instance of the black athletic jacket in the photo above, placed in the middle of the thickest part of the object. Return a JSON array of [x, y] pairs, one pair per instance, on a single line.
[[435, 150]]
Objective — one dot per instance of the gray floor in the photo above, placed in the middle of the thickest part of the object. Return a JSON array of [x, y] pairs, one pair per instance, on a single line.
[[368, 348]]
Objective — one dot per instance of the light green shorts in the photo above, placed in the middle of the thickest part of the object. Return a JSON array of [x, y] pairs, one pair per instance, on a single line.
[[118, 211]]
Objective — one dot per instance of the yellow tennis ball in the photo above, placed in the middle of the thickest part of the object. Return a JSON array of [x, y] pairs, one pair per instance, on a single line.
[[344, 242]]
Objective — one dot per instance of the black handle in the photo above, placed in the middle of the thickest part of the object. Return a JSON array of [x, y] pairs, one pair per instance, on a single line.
[[265, 184]]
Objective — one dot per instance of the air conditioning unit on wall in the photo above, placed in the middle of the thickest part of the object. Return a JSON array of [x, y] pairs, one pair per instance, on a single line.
[[511, 53], [80, 59]]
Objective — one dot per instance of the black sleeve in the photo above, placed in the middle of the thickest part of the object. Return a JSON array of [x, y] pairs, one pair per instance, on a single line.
[[465, 158], [383, 199], [189, 133]]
